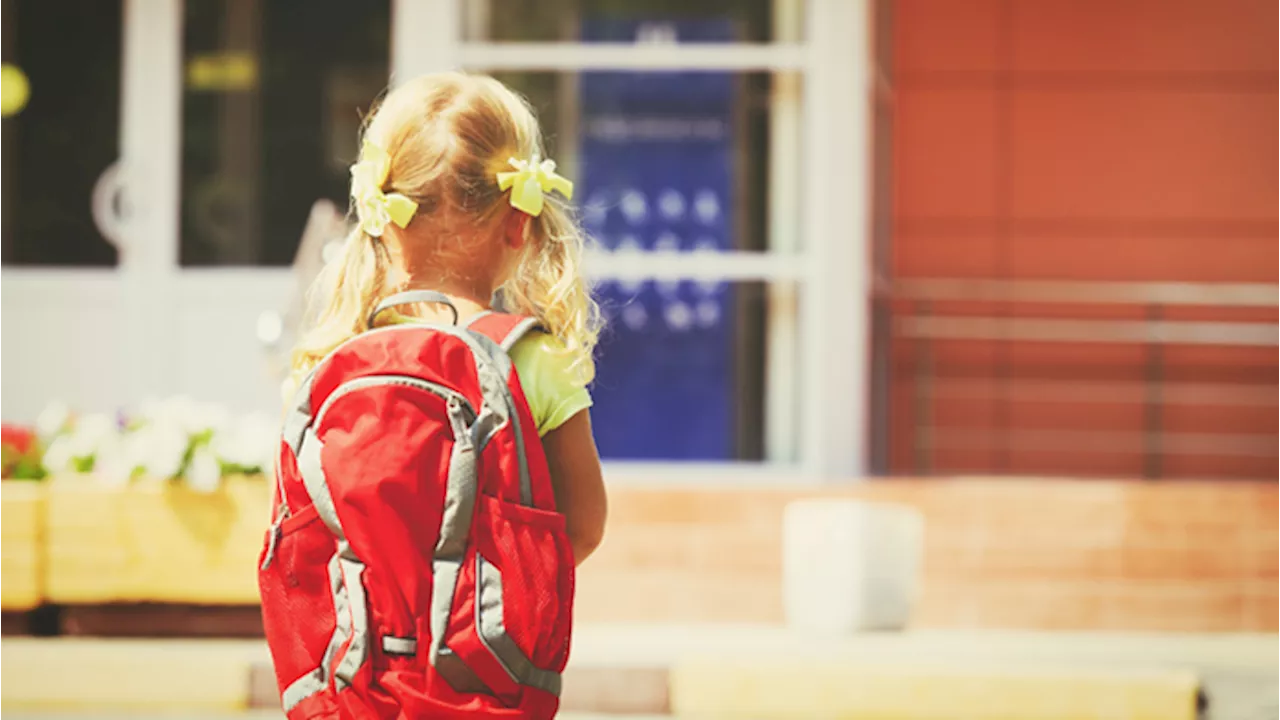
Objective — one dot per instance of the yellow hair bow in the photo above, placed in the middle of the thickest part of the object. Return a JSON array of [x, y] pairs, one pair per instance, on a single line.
[[375, 208], [530, 180]]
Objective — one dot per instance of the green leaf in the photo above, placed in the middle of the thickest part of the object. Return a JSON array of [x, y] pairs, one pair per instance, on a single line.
[[234, 469], [28, 469], [186, 461]]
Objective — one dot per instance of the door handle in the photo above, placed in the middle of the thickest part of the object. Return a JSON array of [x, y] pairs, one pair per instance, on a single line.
[[110, 206]]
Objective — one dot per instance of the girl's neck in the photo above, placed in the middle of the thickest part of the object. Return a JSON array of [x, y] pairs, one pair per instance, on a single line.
[[470, 298]]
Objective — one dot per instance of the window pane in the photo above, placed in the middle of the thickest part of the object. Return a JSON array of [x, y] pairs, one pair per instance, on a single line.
[[553, 20], [680, 371], [58, 145], [670, 162], [666, 161], [272, 106]]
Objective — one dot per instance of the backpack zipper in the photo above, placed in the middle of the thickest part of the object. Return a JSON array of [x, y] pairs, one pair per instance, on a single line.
[[282, 514], [272, 539], [362, 383]]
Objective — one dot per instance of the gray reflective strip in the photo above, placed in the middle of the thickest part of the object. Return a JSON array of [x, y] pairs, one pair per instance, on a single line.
[[455, 526], [341, 614], [493, 633], [370, 381], [493, 352], [414, 297], [475, 318], [502, 363], [521, 329], [298, 416], [456, 673], [317, 486], [392, 645], [318, 679], [358, 650], [526, 481], [302, 688], [444, 583], [460, 491], [484, 428]]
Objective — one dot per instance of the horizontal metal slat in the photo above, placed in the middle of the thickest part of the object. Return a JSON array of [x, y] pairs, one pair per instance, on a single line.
[[1090, 293], [1089, 331]]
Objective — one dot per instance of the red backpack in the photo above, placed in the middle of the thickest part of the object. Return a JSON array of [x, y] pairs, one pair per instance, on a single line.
[[416, 566]]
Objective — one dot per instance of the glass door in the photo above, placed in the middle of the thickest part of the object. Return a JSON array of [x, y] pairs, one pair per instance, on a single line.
[[272, 96], [65, 266], [159, 183]]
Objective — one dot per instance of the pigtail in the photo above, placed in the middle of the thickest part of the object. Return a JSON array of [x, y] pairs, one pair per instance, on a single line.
[[339, 300], [548, 284]]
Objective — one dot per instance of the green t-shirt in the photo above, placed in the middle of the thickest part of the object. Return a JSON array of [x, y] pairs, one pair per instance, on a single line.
[[553, 388]]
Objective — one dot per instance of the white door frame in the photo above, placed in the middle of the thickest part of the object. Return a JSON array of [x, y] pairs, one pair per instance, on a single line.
[[151, 151], [835, 306]]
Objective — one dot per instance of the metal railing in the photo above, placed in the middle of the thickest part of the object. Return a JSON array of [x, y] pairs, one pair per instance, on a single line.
[[926, 312]]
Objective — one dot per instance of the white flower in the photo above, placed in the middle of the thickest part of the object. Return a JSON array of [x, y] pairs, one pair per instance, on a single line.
[[53, 420], [58, 457], [159, 448], [204, 474], [114, 464], [90, 433], [250, 443]]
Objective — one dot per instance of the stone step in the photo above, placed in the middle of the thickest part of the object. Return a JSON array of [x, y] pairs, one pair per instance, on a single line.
[[718, 687], [711, 671]]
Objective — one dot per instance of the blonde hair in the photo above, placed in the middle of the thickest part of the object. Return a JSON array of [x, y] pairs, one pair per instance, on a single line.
[[447, 135]]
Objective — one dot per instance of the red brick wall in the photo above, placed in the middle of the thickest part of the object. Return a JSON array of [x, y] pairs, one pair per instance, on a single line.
[[1085, 140], [1095, 555]]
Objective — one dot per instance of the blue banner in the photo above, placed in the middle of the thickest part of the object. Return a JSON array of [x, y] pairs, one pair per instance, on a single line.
[[657, 165]]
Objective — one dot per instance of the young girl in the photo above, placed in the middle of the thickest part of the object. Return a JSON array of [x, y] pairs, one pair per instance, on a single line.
[[444, 139], [415, 567]]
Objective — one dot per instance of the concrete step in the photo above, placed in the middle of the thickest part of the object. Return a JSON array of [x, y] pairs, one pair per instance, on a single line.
[[768, 690], [710, 671]]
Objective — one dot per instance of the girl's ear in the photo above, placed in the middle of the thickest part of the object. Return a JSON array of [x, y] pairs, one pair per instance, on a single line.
[[515, 227]]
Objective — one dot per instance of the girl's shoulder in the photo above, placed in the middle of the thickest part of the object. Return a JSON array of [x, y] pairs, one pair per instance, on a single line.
[[539, 346], [552, 385]]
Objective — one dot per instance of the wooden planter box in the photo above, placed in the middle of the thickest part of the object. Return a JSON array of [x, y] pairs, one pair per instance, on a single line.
[[154, 543], [21, 527]]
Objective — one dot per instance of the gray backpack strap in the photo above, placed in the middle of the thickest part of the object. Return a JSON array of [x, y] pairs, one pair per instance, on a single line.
[[505, 330], [414, 297]]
